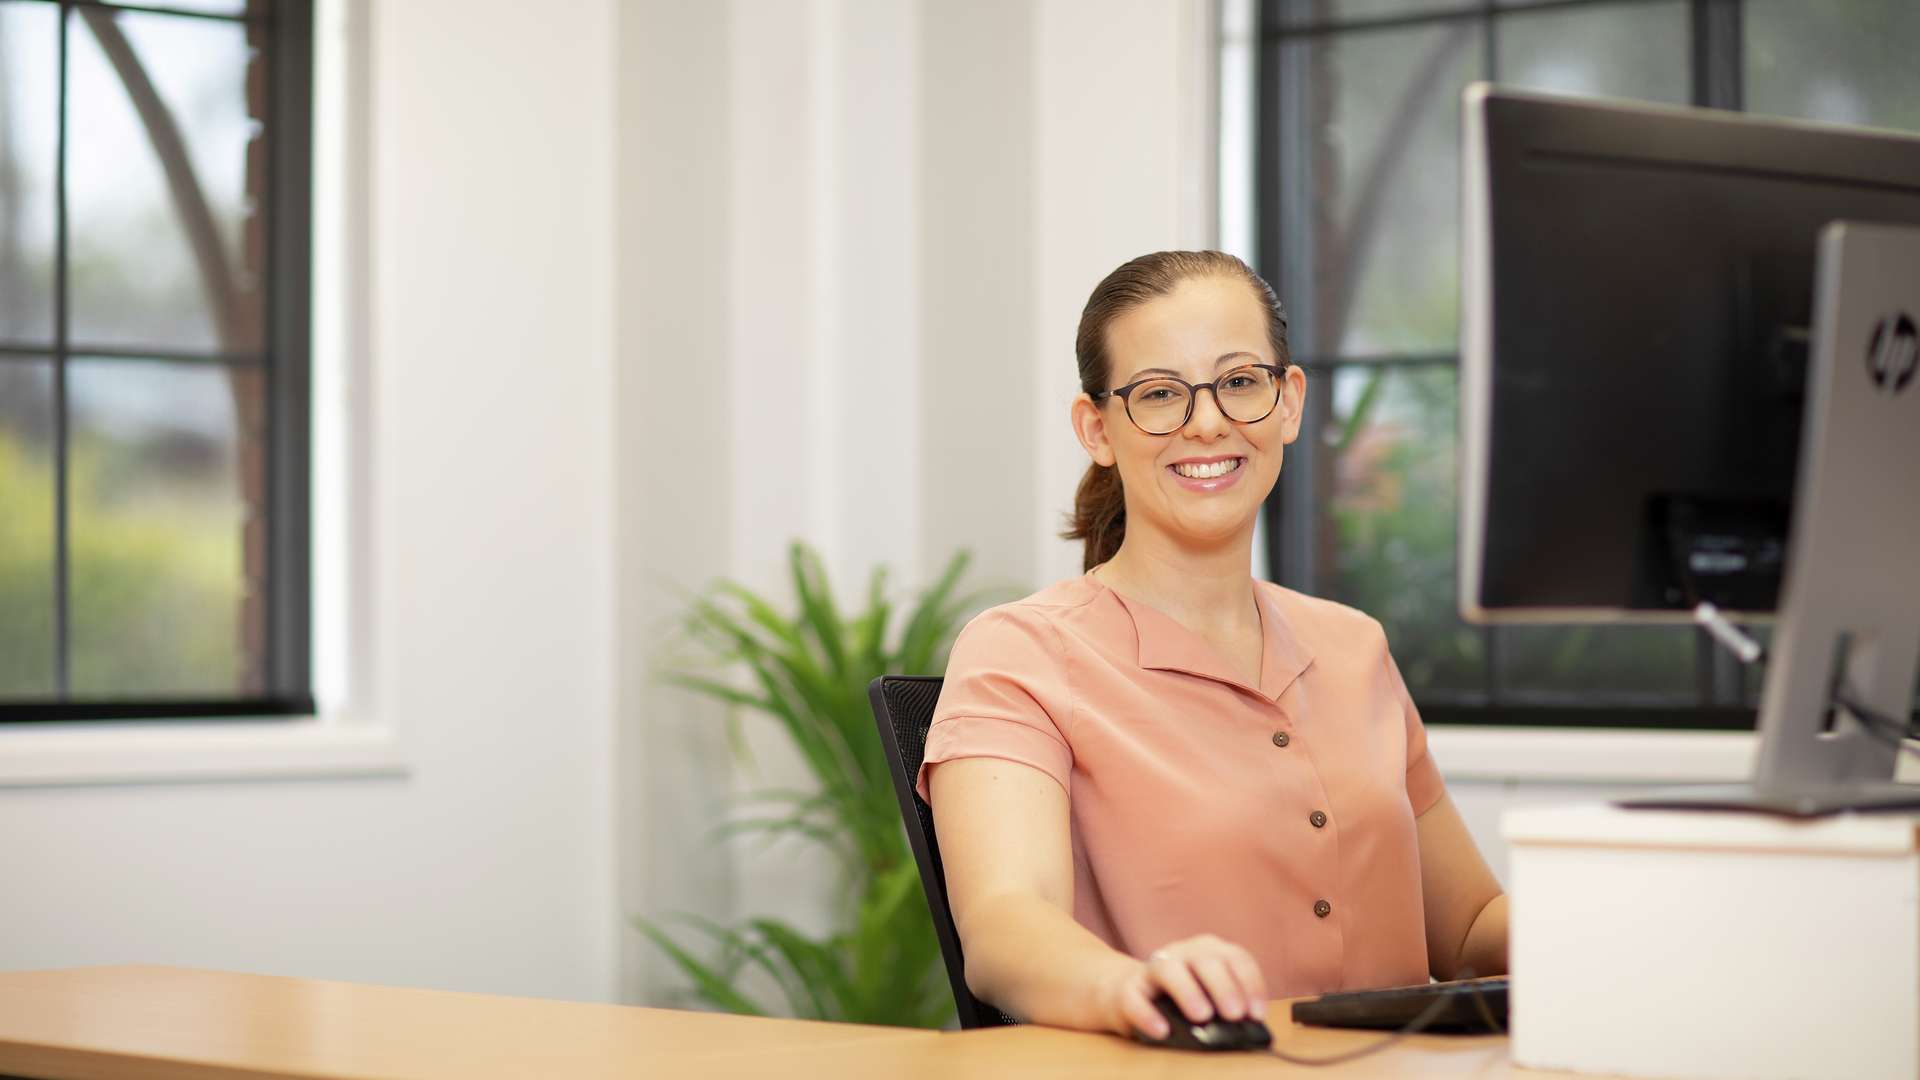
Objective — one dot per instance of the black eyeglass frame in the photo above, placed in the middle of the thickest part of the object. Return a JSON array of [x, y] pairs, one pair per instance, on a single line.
[[1193, 395]]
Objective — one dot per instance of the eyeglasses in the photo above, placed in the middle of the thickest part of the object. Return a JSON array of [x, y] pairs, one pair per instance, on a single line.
[[1163, 404]]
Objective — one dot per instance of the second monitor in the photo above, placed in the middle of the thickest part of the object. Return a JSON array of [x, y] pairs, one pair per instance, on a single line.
[[1638, 302]]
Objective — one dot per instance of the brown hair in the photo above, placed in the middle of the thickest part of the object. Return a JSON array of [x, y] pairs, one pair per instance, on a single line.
[[1100, 506]]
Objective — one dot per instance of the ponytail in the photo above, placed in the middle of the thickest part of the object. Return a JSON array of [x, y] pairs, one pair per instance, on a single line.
[[1099, 515]]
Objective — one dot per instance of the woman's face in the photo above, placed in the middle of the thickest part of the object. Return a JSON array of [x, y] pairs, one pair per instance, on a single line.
[[1204, 328]]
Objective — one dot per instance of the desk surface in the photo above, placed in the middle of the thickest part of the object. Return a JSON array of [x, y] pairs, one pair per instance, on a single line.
[[160, 1022]]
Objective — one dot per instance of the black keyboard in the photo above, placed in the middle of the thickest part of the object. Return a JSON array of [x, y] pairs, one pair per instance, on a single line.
[[1469, 1006]]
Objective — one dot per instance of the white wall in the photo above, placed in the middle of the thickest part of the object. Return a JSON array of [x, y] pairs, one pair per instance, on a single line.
[[487, 428], [977, 168], [673, 485]]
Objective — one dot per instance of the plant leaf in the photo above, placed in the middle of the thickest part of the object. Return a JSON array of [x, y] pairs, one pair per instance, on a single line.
[[818, 962], [774, 828], [707, 982], [789, 981], [762, 613], [870, 630], [815, 594], [714, 688], [931, 620]]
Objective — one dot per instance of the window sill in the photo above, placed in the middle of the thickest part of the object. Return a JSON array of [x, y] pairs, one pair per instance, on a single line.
[[134, 753], [1569, 755]]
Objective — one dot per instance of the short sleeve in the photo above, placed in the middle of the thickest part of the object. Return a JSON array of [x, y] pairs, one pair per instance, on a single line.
[[1424, 785], [1005, 696]]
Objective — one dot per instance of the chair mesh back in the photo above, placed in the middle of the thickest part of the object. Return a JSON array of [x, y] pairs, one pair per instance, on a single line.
[[903, 709]]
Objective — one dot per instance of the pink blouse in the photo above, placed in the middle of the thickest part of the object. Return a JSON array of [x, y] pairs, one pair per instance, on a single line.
[[1278, 816]]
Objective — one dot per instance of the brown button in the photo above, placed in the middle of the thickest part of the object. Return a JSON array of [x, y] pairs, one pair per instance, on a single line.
[[1318, 818], [1322, 908], [1280, 738]]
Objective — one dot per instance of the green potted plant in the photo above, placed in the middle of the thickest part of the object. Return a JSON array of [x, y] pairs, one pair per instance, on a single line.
[[808, 672]]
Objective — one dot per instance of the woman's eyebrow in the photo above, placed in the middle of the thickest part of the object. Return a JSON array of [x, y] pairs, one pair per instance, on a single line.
[[1135, 377]]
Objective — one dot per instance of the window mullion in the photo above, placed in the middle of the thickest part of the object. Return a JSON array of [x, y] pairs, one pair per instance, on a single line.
[[1489, 42], [1282, 224], [62, 570], [1717, 66], [289, 245], [1490, 636]]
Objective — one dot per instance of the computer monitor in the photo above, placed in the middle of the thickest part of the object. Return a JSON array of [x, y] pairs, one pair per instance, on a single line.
[[1681, 381]]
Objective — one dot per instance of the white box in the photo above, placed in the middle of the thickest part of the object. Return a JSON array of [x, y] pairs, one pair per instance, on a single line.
[[1712, 944]]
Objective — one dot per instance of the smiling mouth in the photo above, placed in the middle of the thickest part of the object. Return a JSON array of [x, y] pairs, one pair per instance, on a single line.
[[1209, 470]]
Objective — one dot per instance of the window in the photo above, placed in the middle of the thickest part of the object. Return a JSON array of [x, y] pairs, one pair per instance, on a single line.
[[154, 198], [1357, 192]]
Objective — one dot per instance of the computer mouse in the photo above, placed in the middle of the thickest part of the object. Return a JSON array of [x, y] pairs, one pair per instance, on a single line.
[[1218, 1033]]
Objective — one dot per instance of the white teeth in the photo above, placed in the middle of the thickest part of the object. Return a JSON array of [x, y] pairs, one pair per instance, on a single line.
[[1208, 471]]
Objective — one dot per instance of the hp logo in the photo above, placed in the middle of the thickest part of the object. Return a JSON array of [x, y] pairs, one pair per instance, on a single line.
[[1893, 353]]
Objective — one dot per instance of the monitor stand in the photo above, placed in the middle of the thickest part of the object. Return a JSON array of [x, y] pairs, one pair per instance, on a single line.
[[1850, 601]]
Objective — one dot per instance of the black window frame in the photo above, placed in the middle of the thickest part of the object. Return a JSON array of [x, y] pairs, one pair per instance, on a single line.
[[1716, 60], [283, 359]]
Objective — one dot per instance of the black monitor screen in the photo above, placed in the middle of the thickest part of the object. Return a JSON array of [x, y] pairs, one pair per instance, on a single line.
[[1645, 316]]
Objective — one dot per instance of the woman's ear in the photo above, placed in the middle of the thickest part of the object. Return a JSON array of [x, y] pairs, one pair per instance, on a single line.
[[1293, 402], [1090, 427]]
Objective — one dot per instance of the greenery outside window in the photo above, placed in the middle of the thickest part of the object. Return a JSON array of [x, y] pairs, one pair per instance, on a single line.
[[154, 251], [1357, 161]]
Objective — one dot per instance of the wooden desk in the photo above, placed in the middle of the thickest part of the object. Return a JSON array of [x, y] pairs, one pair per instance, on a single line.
[[157, 1022]]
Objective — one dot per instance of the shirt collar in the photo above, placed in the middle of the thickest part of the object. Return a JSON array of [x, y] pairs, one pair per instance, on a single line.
[[1166, 645]]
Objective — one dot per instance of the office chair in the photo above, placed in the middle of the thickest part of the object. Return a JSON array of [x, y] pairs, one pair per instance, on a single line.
[[903, 710]]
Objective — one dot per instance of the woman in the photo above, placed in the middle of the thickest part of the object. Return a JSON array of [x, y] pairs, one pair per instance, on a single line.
[[1165, 776]]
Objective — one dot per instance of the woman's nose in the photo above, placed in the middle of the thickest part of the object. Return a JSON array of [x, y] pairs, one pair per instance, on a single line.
[[1207, 419]]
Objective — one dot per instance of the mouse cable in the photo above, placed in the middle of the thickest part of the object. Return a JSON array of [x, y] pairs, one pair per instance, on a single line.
[[1412, 1027]]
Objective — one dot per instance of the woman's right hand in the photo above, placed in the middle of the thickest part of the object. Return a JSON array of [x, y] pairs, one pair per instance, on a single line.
[[1199, 973]]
